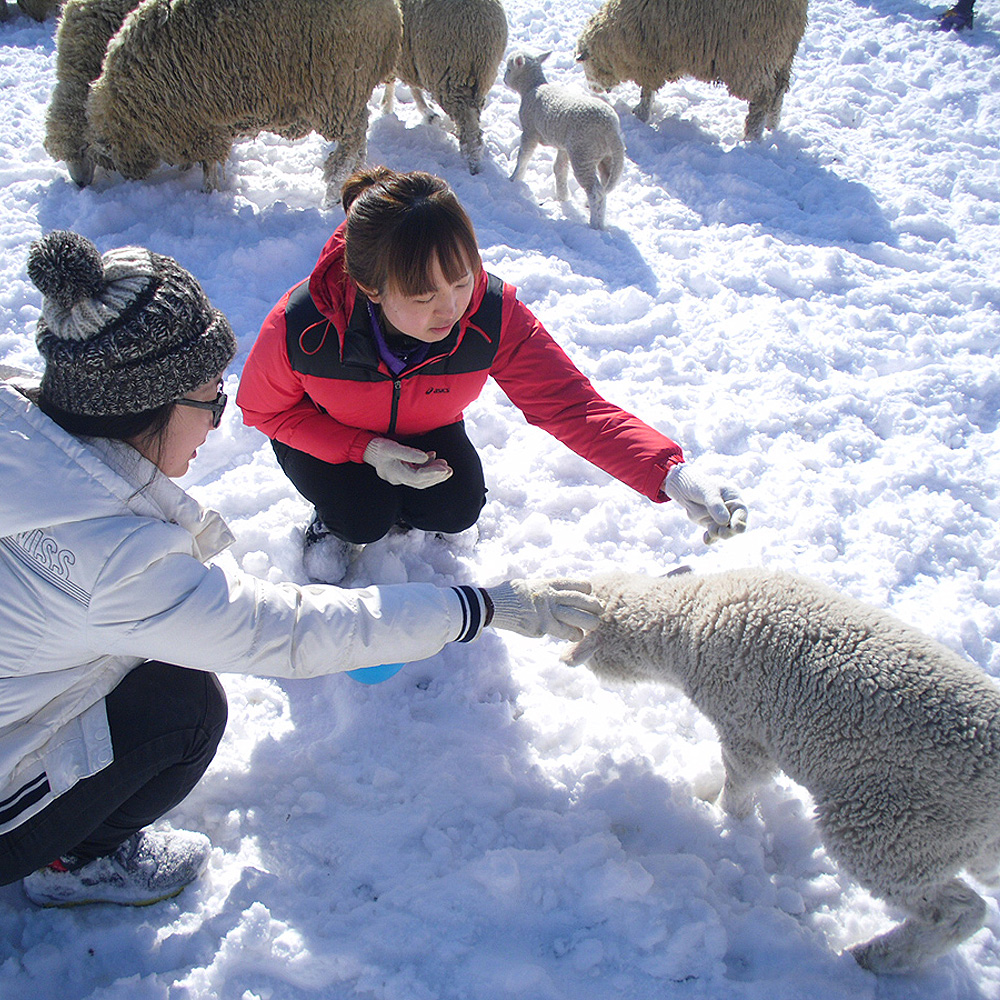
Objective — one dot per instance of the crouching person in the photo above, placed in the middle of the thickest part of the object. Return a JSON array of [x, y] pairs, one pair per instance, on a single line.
[[113, 624]]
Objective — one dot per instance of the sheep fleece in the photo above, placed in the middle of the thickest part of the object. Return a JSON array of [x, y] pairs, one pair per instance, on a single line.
[[183, 78]]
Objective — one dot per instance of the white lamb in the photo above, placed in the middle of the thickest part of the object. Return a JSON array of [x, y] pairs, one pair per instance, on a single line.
[[183, 79], [584, 130], [452, 49], [896, 737], [748, 45]]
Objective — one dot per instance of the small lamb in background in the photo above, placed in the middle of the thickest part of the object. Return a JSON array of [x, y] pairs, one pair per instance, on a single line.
[[896, 737], [583, 128]]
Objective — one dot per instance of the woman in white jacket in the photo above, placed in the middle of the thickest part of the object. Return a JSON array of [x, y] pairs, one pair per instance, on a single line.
[[113, 624]]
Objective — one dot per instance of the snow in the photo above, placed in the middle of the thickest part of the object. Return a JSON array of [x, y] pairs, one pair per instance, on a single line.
[[814, 318]]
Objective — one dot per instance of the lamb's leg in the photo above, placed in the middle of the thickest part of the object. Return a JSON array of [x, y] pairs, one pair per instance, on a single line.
[[747, 767], [586, 174], [940, 918], [561, 170], [524, 153]]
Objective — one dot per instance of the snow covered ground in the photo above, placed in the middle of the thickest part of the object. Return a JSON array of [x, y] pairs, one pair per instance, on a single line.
[[814, 317]]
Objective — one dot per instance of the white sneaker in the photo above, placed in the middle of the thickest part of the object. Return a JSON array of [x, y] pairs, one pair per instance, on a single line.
[[148, 867]]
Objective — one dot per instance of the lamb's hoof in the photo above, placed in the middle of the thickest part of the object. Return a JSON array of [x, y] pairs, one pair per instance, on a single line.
[[876, 956]]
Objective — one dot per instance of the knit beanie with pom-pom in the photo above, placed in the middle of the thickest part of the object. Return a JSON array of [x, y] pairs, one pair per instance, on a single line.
[[124, 332]]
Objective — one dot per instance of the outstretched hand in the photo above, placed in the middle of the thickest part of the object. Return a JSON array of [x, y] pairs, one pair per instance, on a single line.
[[564, 609], [707, 502]]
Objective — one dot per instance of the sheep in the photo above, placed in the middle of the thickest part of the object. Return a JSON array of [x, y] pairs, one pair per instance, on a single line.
[[583, 128], [896, 737], [748, 45], [39, 10], [183, 79], [452, 49], [82, 35]]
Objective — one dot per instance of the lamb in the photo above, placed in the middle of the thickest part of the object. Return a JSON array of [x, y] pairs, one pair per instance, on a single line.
[[583, 128], [748, 45], [183, 79], [82, 35], [452, 49], [896, 737]]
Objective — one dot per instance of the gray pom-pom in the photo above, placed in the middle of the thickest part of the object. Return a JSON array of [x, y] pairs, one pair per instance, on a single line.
[[65, 267]]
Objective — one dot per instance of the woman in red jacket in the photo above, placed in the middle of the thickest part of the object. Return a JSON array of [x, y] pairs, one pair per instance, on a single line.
[[361, 373]]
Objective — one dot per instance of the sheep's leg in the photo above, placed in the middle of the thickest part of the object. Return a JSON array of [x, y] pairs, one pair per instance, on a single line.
[[781, 81], [747, 767], [753, 127], [464, 113], [427, 113], [213, 175], [352, 148], [940, 918], [524, 153], [388, 97], [642, 109]]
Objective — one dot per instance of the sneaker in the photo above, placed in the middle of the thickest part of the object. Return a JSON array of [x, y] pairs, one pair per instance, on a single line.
[[148, 867], [315, 532], [954, 19]]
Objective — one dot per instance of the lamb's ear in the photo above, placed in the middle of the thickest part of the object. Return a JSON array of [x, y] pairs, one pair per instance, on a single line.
[[544, 56], [580, 651]]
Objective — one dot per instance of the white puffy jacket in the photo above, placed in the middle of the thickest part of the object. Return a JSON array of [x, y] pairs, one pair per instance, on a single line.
[[103, 566]]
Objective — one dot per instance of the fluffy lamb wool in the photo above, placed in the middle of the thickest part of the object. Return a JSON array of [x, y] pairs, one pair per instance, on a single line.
[[748, 45], [896, 737], [452, 49], [183, 79], [584, 130]]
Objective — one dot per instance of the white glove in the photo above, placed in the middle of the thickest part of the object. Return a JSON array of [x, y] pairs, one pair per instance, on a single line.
[[400, 465], [718, 508], [560, 608]]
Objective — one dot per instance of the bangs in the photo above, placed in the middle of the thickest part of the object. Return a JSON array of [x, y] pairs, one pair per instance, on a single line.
[[430, 233]]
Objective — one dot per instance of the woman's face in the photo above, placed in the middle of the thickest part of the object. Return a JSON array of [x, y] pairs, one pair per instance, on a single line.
[[428, 317], [185, 433]]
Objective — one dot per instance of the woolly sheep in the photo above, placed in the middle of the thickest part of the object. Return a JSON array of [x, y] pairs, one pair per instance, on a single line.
[[37, 9], [748, 45], [896, 737], [452, 49], [82, 35], [583, 128], [183, 79]]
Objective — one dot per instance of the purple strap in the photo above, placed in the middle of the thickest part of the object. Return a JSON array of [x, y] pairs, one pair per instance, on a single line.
[[394, 362]]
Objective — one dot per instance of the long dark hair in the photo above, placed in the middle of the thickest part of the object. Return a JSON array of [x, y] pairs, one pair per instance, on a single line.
[[148, 427], [398, 224]]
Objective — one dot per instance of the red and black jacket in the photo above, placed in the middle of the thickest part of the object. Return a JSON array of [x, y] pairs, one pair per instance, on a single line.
[[314, 379]]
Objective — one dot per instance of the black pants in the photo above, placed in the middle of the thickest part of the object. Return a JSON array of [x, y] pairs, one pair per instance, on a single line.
[[166, 723], [358, 506]]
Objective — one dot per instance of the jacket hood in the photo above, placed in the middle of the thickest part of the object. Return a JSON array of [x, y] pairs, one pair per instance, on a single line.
[[84, 480], [334, 292]]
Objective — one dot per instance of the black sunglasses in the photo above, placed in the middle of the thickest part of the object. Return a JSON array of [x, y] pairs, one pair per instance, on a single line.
[[217, 406]]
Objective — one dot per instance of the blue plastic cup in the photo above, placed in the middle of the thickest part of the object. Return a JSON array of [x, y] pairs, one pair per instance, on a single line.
[[377, 674]]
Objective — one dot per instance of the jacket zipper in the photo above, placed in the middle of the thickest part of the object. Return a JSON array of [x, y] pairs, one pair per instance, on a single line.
[[397, 388]]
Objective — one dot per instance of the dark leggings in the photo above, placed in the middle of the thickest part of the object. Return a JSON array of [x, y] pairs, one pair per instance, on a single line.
[[358, 506], [166, 723]]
